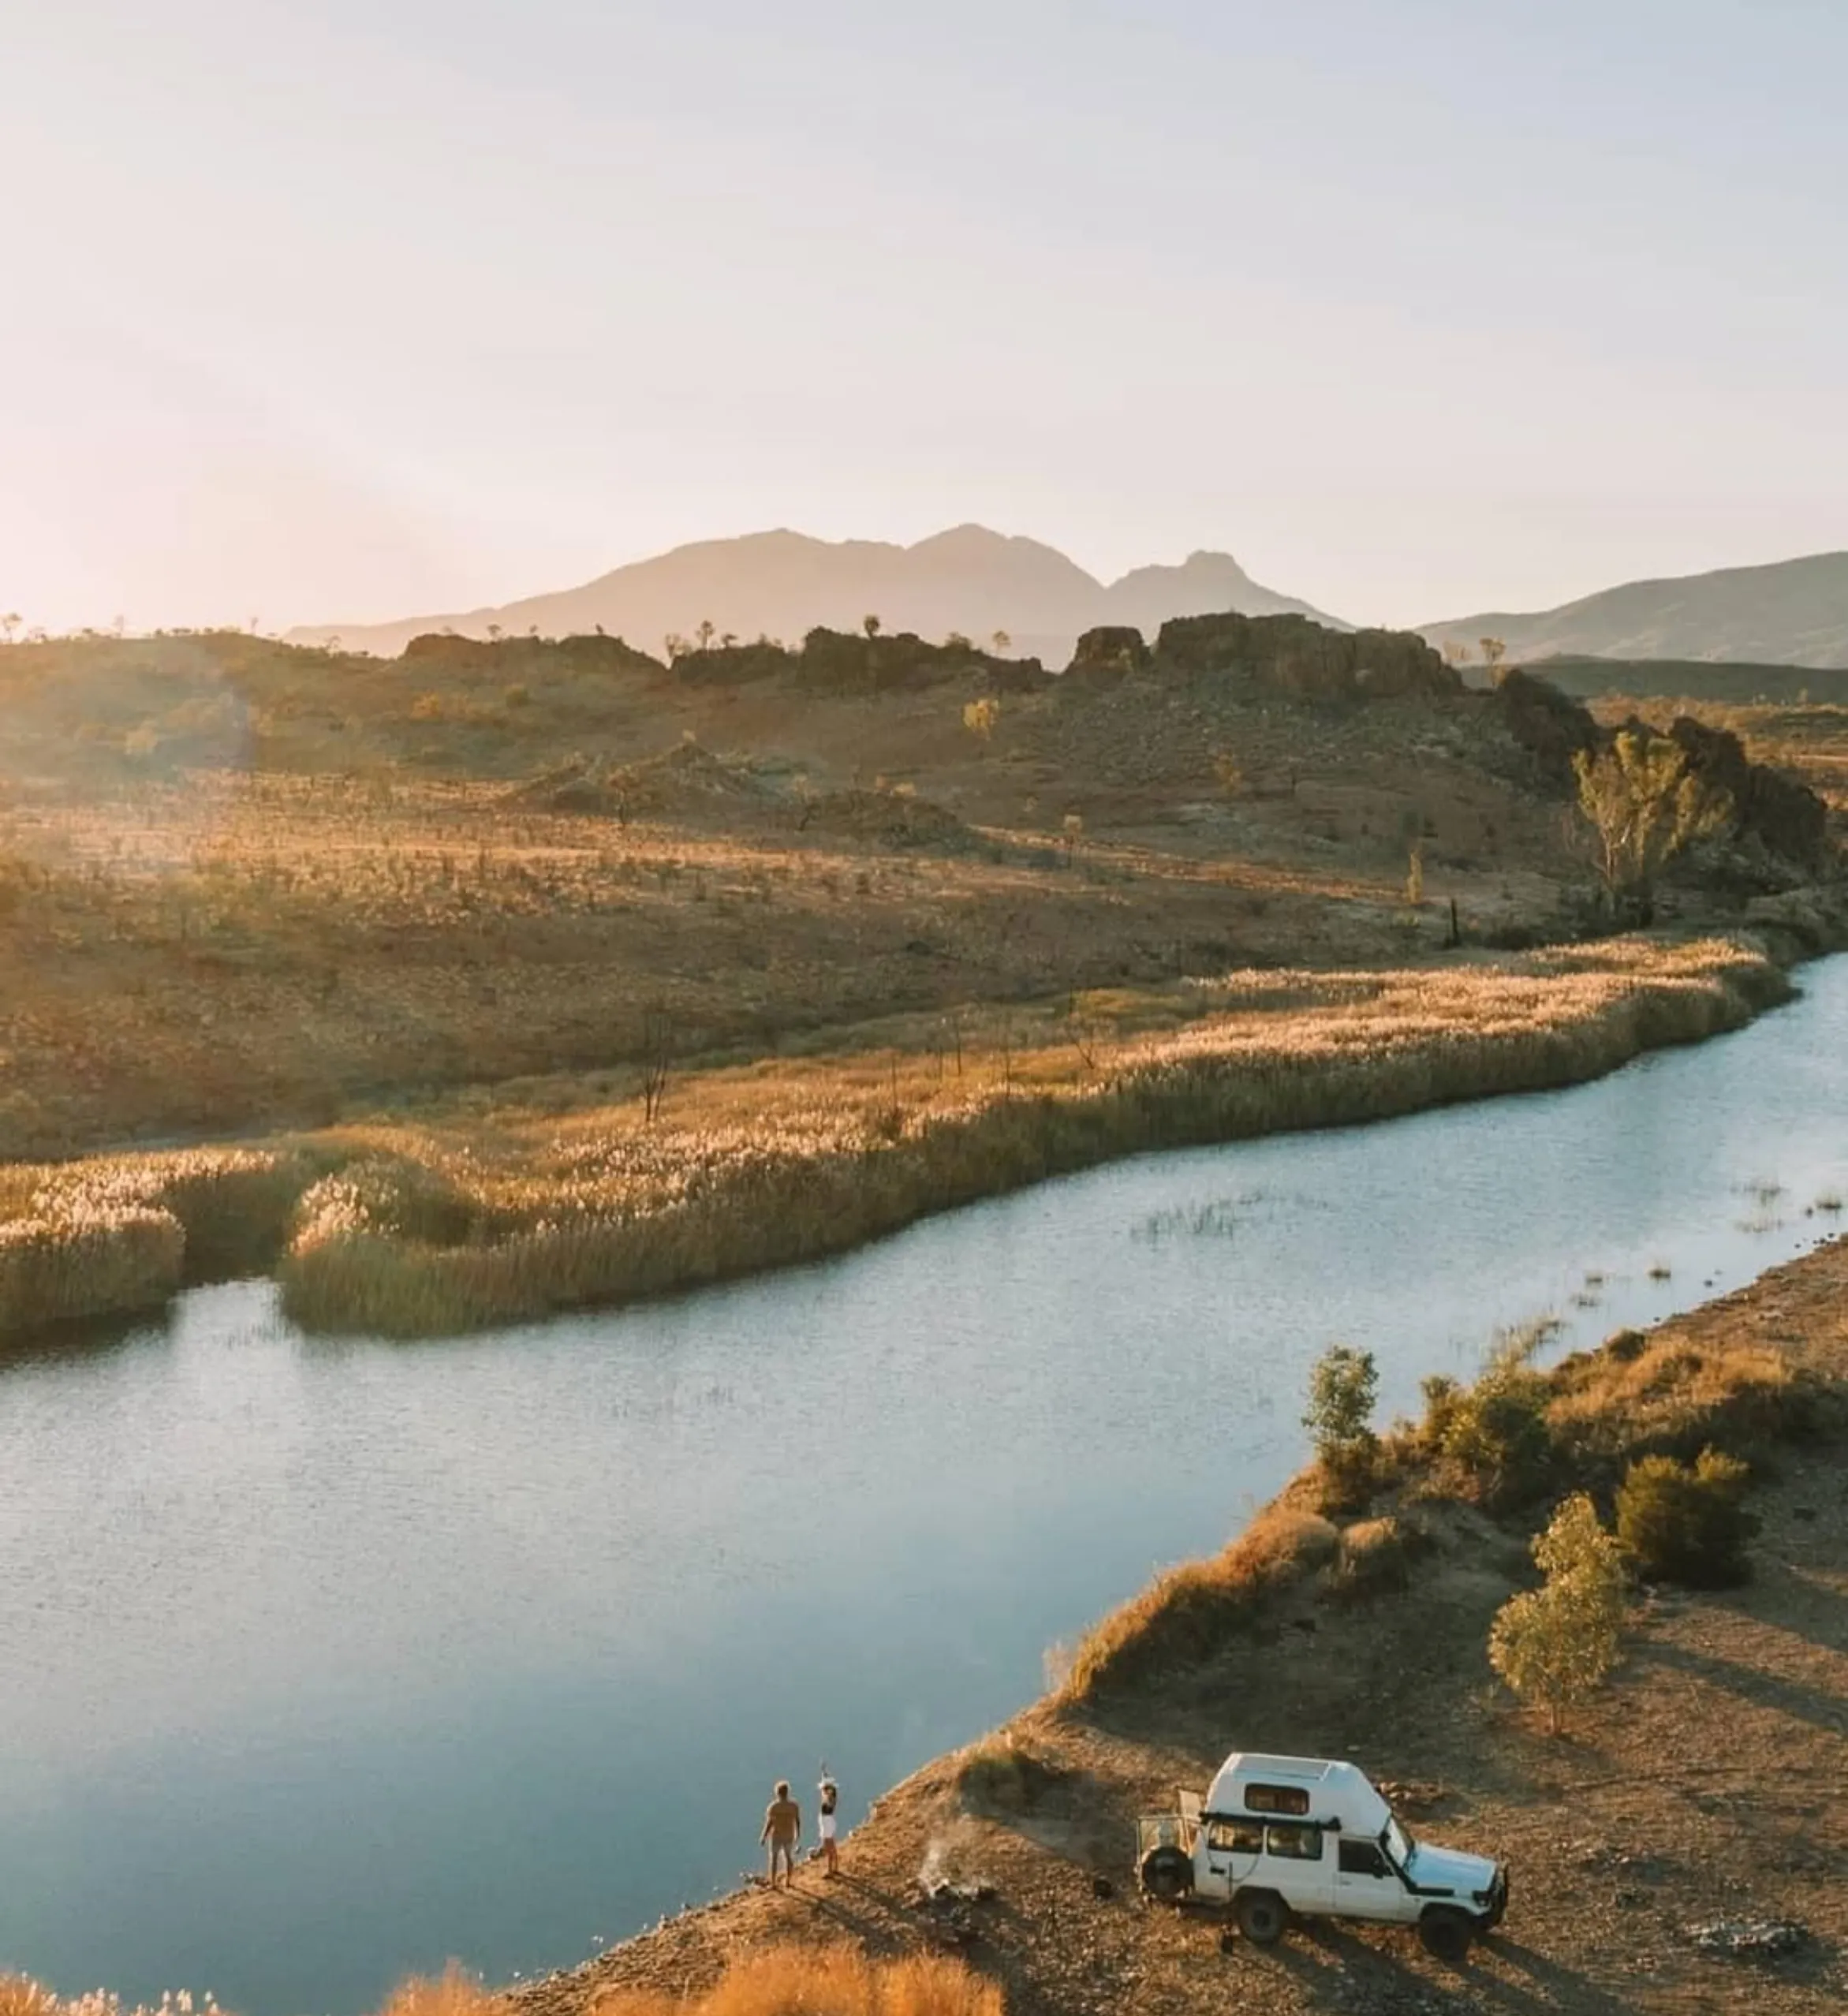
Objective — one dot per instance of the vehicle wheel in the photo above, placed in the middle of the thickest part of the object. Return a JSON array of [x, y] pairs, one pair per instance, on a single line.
[[1167, 1875], [1445, 1935], [1263, 1915]]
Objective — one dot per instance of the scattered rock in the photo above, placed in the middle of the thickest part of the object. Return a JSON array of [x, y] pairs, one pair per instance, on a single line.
[[1749, 1938]]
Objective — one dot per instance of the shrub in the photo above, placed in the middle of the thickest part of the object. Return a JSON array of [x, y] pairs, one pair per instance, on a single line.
[[1343, 1388], [1495, 1431], [1556, 1644], [1000, 1775], [1375, 1559], [1687, 1523]]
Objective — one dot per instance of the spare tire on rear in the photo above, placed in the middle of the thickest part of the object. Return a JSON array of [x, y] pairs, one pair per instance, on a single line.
[[1167, 1874]]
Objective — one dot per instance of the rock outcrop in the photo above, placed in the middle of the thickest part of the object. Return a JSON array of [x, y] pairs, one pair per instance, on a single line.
[[1292, 656], [1112, 651], [1550, 725], [1782, 815], [1787, 816]]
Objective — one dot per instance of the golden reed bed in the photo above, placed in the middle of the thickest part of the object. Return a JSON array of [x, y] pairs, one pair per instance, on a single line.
[[480, 1213]]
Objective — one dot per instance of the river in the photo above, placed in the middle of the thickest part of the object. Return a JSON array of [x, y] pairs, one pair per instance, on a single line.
[[323, 1662]]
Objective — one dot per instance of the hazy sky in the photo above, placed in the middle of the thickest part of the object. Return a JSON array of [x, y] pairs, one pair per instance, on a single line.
[[359, 309]]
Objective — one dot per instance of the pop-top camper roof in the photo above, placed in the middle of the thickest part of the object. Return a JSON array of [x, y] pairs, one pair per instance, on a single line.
[[1249, 1783]]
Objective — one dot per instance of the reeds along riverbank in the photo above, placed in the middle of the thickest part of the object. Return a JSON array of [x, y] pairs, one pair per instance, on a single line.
[[781, 1981], [754, 1175], [448, 1224]]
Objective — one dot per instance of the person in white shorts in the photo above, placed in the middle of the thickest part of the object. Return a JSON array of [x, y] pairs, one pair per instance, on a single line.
[[830, 1798]]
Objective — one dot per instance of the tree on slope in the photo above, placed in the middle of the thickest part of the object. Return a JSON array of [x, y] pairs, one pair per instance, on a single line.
[[1645, 803], [1555, 1644]]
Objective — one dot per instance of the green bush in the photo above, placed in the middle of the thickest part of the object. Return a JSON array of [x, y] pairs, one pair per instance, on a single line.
[[1687, 1523], [1554, 1645], [1495, 1431], [1343, 1388]]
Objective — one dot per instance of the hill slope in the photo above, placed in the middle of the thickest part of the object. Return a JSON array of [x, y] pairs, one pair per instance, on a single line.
[[1793, 612], [784, 584], [1709, 681]]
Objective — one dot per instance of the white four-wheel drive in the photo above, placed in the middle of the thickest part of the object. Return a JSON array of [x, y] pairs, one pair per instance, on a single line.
[[1303, 1836]]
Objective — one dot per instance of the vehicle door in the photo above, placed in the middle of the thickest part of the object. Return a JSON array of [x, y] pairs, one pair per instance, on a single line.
[[1232, 1847], [1299, 1861], [1366, 1885]]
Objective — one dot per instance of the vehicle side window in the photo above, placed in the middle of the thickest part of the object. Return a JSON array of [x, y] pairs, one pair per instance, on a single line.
[[1277, 1798], [1362, 1858], [1301, 1844], [1236, 1837]]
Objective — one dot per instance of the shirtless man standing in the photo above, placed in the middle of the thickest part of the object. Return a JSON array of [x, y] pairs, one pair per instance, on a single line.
[[783, 1829]]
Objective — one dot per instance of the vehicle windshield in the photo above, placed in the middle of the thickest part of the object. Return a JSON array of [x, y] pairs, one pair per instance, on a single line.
[[1398, 1843]]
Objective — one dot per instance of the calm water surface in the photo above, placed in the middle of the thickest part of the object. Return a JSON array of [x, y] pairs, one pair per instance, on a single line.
[[322, 1662]]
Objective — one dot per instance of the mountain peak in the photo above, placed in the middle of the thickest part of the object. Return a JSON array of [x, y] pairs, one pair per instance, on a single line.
[[781, 583]]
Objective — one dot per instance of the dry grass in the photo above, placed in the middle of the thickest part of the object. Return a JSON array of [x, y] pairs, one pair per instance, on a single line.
[[248, 886], [835, 1981], [240, 952], [826, 1981], [1183, 1615], [1673, 1398], [21, 1996], [1376, 1557], [486, 1213]]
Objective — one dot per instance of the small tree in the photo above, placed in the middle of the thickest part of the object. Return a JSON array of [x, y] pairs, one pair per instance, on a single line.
[[657, 1059], [871, 625], [979, 717], [1556, 1645], [10, 622], [1687, 1523], [1493, 652], [1003, 643], [1344, 1386], [706, 633], [1645, 803]]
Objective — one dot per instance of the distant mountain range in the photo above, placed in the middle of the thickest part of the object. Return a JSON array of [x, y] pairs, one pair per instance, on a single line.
[[783, 584], [1793, 612]]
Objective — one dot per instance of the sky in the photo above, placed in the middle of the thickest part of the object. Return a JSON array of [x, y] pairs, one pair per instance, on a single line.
[[365, 308]]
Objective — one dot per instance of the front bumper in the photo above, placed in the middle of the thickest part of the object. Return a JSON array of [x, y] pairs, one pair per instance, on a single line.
[[1496, 1908]]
